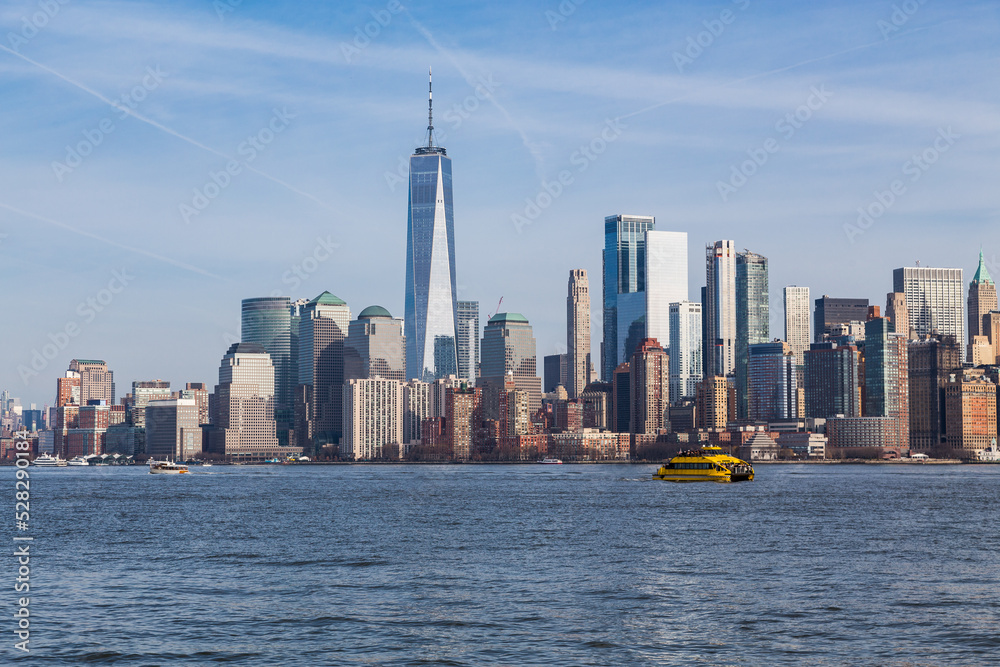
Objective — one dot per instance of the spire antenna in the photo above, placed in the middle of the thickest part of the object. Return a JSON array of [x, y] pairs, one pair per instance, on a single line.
[[430, 109]]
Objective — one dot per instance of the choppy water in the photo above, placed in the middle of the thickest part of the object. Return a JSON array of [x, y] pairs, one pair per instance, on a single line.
[[516, 565]]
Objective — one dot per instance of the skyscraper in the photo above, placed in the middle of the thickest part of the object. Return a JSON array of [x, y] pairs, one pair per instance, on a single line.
[[982, 300], [649, 395], [323, 325], [374, 347], [931, 362], [468, 340], [685, 349], [935, 298], [753, 319], [797, 320], [97, 383], [431, 310], [373, 418], [578, 332], [508, 348], [267, 321], [887, 377], [773, 387], [666, 281], [830, 312], [143, 392], [832, 381], [898, 313], [172, 429], [624, 273], [719, 308]]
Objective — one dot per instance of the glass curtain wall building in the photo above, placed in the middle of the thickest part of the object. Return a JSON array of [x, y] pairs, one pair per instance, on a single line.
[[267, 321], [753, 319], [666, 281], [719, 308], [468, 340], [624, 274]]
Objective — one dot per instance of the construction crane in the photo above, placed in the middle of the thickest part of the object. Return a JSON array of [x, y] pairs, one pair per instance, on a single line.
[[497, 310]]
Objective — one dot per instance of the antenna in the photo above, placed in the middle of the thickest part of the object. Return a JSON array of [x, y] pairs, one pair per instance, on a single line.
[[430, 110]]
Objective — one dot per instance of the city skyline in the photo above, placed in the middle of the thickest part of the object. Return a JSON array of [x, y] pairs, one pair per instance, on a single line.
[[167, 282]]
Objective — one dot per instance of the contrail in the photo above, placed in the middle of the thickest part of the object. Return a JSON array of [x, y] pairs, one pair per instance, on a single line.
[[139, 251], [166, 129]]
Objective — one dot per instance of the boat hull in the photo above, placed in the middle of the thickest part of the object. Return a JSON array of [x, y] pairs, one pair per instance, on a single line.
[[724, 479]]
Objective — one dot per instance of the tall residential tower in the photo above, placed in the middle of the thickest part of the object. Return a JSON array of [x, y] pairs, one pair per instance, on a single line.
[[578, 332]]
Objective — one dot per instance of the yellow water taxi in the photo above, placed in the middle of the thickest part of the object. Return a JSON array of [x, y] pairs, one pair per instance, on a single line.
[[709, 464]]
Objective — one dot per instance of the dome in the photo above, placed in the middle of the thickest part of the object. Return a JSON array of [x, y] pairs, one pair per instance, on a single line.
[[374, 311]]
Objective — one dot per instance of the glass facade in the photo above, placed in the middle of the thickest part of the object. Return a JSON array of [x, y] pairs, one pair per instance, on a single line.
[[267, 321], [624, 273], [468, 340], [430, 301], [685, 351], [719, 308], [935, 299], [753, 318], [323, 326], [666, 281], [772, 382], [509, 349], [375, 347]]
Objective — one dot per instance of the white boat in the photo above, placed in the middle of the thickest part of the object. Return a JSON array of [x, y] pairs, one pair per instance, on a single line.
[[46, 461], [166, 468], [551, 461], [991, 455], [78, 461]]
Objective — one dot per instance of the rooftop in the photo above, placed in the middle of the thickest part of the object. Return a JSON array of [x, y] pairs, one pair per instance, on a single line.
[[509, 317], [327, 299], [374, 311]]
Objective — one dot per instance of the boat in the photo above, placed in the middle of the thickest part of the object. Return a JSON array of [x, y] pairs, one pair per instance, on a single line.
[[166, 468], [552, 461], [78, 461], [708, 464], [46, 461], [991, 455]]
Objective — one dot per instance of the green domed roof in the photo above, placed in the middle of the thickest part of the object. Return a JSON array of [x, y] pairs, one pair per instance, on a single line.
[[327, 299], [374, 311]]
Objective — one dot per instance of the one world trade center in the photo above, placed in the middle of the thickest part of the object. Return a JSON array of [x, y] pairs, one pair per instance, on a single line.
[[431, 304]]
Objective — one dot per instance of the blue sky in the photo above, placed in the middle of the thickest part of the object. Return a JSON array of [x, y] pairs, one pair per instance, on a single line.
[[697, 88]]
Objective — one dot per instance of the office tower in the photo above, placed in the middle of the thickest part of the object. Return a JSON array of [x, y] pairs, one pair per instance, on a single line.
[[375, 347], [715, 402], [597, 406], [624, 273], [685, 349], [772, 382], [621, 395], [887, 377], [199, 393], [143, 392], [508, 348], [31, 420], [666, 282], [431, 302], [931, 362], [991, 328], [971, 408], [267, 321], [86, 435], [172, 429], [97, 383], [244, 425], [719, 308], [555, 372], [830, 312], [68, 389], [468, 340], [463, 415], [323, 326], [935, 298], [832, 381], [649, 395], [417, 406], [753, 319], [797, 320], [898, 313], [373, 419], [577, 332], [982, 301]]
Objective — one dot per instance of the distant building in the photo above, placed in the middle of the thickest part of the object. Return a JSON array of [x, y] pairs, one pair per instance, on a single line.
[[597, 404], [930, 361], [772, 382], [898, 313], [797, 320], [887, 375], [753, 320], [865, 436], [935, 298], [468, 340], [685, 349], [198, 392], [719, 309], [624, 274], [649, 399], [96, 381], [68, 389], [142, 393], [982, 301], [323, 326], [621, 393], [830, 312], [267, 321], [375, 347], [666, 282], [463, 415], [971, 409], [555, 372], [373, 419], [508, 348], [832, 381], [417, 406], [715, 402], [577, 333], [172, 429]]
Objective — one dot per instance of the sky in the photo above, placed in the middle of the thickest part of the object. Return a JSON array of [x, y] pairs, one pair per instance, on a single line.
[[839, 139]]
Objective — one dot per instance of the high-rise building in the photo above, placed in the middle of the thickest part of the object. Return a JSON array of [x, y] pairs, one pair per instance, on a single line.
[[931, 362], [719, 308], [685, 349], [418, 405], [982, 301], [797, 320], [323, 326], [468, 340], [887, 376], [97, 383], [597, 406], [431, 310], [621, 399], [199, 393], [935, 299], [68, 389], [715, 402], [991, 327], [555, 372], [244, 426], [898, 313], [577, 332], [375, 347], [172, 429], [624, 274], [463, 415], [772, 382], [508, 348], [373, 419], [666, 282], [830, 312], [753, 319], [267, 321], [832, 381], [144, 391], [649, 395], [972, 415]]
